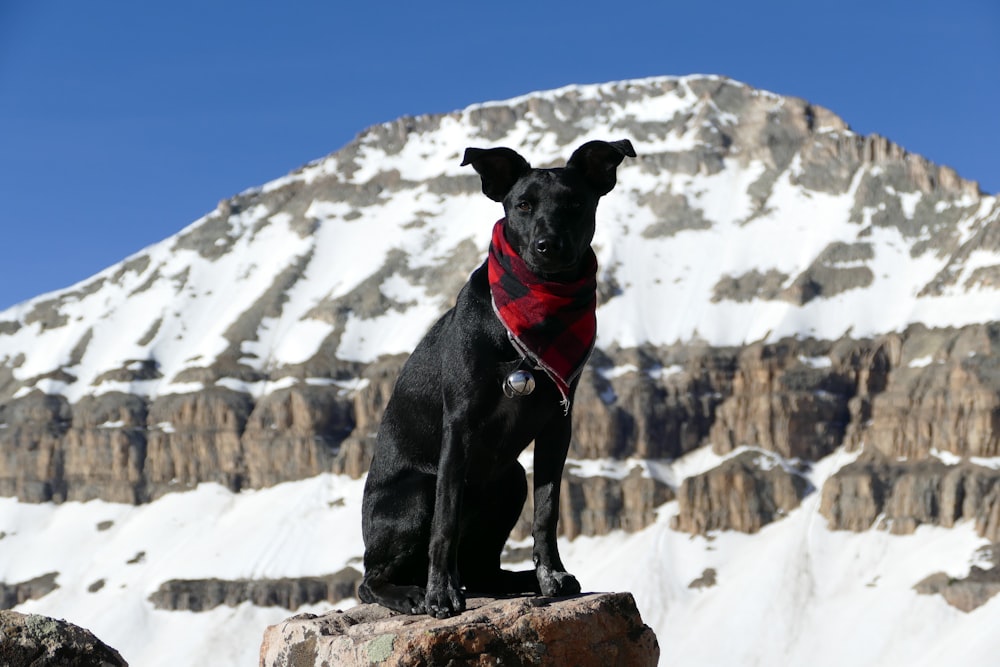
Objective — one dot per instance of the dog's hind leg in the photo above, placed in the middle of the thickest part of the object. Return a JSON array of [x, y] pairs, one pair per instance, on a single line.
[[397, 582], [396, 530], [404, 599]]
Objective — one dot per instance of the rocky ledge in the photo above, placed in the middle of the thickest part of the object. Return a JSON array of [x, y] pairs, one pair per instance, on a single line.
[[597, 629]]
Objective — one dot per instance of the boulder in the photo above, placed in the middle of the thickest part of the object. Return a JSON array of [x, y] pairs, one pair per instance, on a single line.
[[30, 640], [597, 629]]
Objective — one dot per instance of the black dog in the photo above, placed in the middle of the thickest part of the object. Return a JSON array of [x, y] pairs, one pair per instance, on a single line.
[[495, 373]]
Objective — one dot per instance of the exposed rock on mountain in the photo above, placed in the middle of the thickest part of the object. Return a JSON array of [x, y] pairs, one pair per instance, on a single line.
[[599, 504], [969, 592], [596, 629], [12, 595], [907, 494], [202, 594], [744, 493]]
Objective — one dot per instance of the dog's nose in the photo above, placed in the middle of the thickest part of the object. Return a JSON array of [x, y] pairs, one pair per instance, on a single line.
[[544, 245]]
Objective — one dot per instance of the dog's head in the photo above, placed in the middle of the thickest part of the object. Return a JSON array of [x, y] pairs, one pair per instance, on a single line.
[[550, 212]]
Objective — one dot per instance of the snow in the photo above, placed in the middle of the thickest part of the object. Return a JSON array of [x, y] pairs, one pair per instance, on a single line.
[[795, 593]]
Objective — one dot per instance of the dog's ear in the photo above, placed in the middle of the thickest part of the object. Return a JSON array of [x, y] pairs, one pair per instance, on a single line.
[[598, 160], [499, 168]]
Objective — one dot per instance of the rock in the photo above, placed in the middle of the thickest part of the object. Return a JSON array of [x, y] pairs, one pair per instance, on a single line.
[[31, 447], [105, 449], [30, 640], [903, 394], [12, 595], [306, 424], [597, 630], [597, 505], [649, 403], [743, 493], [196, 438], [941, 394], [288, 593], [707, 579], [965, 594], [782, 404], [907, 494]]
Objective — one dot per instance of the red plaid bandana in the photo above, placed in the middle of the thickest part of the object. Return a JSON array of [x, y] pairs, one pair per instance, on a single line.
[[552, 324]]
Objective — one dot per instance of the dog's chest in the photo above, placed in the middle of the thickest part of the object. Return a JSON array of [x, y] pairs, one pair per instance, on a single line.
[[512, 426]]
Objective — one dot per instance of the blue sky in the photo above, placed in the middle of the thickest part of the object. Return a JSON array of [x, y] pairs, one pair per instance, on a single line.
[[121, 122]]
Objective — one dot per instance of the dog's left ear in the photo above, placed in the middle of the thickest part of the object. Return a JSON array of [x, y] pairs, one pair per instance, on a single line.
[[499, 168], [598, 160]]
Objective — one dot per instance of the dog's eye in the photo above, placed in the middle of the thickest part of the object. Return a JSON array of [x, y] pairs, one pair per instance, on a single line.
[[523, 206]]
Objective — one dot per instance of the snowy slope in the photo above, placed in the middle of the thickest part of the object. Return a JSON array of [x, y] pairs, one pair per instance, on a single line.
[[794, 594]]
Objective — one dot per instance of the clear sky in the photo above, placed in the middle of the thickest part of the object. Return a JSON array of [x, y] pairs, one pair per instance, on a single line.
[[122, 121]]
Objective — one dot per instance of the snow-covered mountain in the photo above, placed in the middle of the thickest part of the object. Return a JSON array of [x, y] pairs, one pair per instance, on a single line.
[[797, 347], [748, 216]]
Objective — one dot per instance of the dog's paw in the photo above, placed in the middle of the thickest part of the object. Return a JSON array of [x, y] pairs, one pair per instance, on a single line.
[[444, 601], [557, 584], [413, 600]]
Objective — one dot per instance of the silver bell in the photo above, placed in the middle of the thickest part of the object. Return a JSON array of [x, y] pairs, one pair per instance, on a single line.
[[519, 383]]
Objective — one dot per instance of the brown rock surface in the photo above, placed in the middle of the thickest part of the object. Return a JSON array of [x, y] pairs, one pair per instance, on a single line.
[[597, 630], [965, 594], [784, 405], [287, 593], [907, 494], [743, 493]]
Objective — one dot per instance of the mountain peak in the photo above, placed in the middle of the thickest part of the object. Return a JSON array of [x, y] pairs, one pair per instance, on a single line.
[[748, 216]]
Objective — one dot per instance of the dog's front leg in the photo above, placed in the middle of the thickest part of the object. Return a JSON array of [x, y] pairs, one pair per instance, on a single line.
[[551, 447], [444, 595]]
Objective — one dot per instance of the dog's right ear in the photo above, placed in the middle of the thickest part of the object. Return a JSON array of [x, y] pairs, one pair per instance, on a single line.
[[499, 168]]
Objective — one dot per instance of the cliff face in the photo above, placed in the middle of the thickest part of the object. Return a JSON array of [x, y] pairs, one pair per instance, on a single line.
[[800, 399]]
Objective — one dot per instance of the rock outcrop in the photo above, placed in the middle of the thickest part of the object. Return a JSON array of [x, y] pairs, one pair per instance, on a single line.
[[30, 640], [12, 595], [287, 593], [971, 591], [744, 493], [597, 504], [588, 630], [908, 493]]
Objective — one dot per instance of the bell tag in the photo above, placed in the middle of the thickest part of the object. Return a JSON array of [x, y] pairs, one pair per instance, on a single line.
[[519, 383]]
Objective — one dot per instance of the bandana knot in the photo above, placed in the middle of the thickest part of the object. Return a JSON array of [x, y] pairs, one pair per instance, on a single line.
[[552, 324]]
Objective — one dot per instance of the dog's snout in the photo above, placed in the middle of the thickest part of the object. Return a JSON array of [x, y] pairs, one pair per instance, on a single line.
[[545, 245]]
